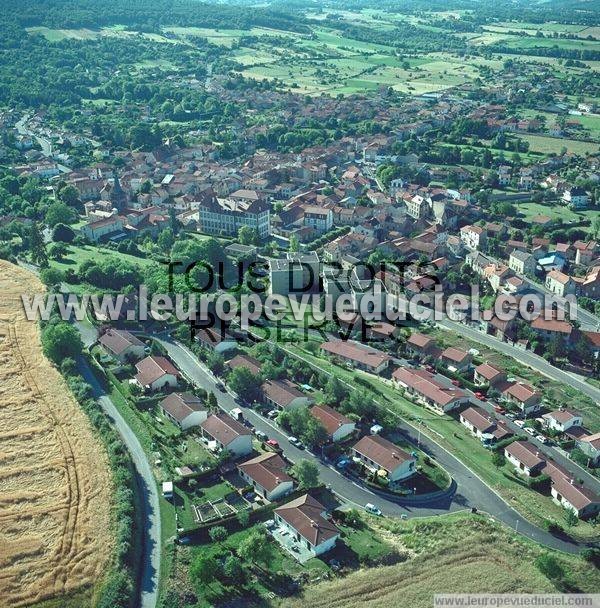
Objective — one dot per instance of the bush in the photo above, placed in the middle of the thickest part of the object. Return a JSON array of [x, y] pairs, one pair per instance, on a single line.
[[592, 556]]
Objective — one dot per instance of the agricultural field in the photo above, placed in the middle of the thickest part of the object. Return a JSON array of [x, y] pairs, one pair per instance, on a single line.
[[55, 531], [454, 554], [554, 145]]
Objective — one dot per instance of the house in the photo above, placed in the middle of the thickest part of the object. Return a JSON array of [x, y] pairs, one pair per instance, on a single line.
[[122, 345], [473, 237], [525, 457], [156, 373], [456, 359], [585, 251], [549, 328], [227, 215], [576, 198], [420, 345], [184, 410], [337, 425], [242, 360], [582, 501], [428, 389], [477, 421], [306, 519], [219, 342], [357, 355], [590, 446], [379, 454], [524, 396], [489, 374], [522, 262], [267, 475], [225, 433], [284, 394], [562, 420], [560, 283], [99, 229]]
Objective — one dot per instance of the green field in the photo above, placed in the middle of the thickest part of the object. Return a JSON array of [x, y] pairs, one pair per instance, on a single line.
[[554, 145]]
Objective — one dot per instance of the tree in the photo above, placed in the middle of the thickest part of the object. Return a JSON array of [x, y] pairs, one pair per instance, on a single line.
[[307, 474], [255, 548], [52, 276], [57, 251], [243, 517], [232, 568], [63, 233], [498, 459], [69, 195], [166, 240], [549, 566], [203, 571], [215, 362], [294, 246], [211, 401], [37, 247], [217, 534], [61, 340], [59, 213], [571, 518], [245, 383], [315, 433], [247, 236], [335, 391]]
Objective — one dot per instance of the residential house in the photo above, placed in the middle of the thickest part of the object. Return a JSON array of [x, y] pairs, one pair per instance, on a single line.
[[426, 387], [267, 475], [306, 519], [284, 395], [524, 396], [359, 356], [522, 262], [421, 345], [211, 339], [122, 345], [560, 283], [379, 454], [590, 446], [562, 420], [103, 228], [184, 410], [473, 237], [456, 359], [224, 433], [489, 374], [585, 252], [576, 197], [156, 373], [569, 494], [337, 425], [525, 457], [477, 421], [242, 360]]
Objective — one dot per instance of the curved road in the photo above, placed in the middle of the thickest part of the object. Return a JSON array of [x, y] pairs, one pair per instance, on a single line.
[[472, 491]]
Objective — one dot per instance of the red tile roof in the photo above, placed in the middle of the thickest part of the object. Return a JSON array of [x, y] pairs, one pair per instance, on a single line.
[[268, 470], [304, 515], [329, 418], [384, 453], [152, 368]]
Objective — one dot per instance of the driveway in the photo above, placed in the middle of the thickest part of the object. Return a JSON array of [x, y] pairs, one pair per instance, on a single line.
[[471, 490]]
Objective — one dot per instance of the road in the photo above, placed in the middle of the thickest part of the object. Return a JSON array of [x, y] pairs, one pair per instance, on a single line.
[[45, 144], [471, 490], [147, 492], [525, 357]]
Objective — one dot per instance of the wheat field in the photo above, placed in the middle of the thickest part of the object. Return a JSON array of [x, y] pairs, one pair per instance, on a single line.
[[55, 482]]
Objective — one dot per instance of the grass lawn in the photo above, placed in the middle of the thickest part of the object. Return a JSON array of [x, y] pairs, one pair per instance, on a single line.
[[554, 211], [449, 554], [554, 145], [81, 253]]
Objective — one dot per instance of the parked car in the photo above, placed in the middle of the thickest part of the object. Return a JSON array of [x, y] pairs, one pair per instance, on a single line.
[[480, 396], [295, 441], [261, 436], [237, 413], [499, 409], [273, 443], [509, 415], [273, 414], [371, 508], [342, 463], [541, 439], [520, 423], [221, 387], [455, 382], [530, 430]]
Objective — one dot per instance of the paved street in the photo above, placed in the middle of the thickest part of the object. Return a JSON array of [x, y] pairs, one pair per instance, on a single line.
[[150, 555], [471, 490]]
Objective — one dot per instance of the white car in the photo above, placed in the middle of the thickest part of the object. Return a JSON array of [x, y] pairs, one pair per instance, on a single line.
[[295, 441], [520, 423], [371, 508], [529, 430], [273, 414], [510, 415], [541, 438]]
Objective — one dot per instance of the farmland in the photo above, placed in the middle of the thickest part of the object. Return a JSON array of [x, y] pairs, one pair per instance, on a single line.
[[449, 555], [55, 480]]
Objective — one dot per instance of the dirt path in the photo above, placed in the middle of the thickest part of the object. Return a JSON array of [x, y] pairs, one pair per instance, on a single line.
[[55, 485]]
